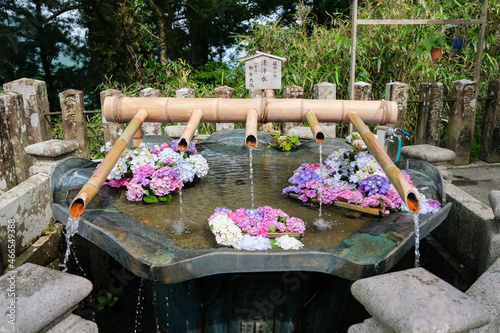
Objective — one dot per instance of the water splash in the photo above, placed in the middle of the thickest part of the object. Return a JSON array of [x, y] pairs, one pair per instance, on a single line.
[[417, 240], [71, 230], [251, 176], [139, 307]]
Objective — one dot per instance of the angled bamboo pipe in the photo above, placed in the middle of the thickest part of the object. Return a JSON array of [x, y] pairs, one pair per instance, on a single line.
[[251, 129], [316, 129], [89, 190], [187, 134], [397, 179]]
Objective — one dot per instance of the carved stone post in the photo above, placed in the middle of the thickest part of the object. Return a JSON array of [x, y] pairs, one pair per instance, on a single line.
[[8, 178], [490, 138], [36, 106], [362, 91], [326, 90], [74, 124], [224, 92], [151, 128], [430, 114], [294, 92], [462, 120], [397, 92], [184, 93], [12, 109], [112, 131]]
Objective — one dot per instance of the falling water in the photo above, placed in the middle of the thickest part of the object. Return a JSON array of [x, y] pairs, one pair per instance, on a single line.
[[168, 305], [251, 175], [321, 175], [139, 308], [155, 307], [180, 190], [71, 229], [417, 240]]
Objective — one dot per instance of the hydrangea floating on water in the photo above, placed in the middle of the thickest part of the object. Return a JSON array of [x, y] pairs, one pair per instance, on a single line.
[[353, 176], [254, 225], [151, 174]]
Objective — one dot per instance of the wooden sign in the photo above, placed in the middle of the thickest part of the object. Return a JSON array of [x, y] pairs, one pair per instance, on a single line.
[[263, 71]]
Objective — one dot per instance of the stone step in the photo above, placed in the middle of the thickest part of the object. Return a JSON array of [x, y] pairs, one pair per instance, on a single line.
[[39, 297], [74, 323], [416, 300]]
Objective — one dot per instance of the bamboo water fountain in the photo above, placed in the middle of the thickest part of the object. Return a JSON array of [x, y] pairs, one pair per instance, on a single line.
[[250, 111]]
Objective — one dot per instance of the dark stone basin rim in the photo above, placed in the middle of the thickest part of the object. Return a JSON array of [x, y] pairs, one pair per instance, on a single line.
[[225, 260]]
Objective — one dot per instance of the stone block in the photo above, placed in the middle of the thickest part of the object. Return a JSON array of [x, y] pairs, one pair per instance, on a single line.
[[176, 131], [486, 290], [43, 297], [73, 323], [111, 131], [370, 325], [415, 300], [184, 93], [325, 90], [224, 92], [362, 91], [52, 149], [74, 122], [490, 133], [428, 153], [494, 198], [26, 207]]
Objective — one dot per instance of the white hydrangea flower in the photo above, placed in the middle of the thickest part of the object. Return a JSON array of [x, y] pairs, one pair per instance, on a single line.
[[169, 152], [254, 243], [225, 231], [288, 243], [142, 157], [200, 165], [119, 169]]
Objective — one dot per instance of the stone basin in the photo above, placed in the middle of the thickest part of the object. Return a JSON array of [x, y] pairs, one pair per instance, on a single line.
[[155, 242]]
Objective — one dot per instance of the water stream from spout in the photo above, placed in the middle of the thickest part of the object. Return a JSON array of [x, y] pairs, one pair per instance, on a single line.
[[71, 229], [417, 239], [180, 190], [251, 176], [139, 307], [320, 194]]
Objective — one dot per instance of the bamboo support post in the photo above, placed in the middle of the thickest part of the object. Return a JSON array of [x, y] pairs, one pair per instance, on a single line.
[[316, 129], [187, 134], [89, 190], [404, 189], [251, 129]]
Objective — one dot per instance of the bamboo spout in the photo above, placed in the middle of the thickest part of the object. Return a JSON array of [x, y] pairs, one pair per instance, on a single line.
[[316, 129], [251, 129], [397, 179], [89, 190], [187, 134]]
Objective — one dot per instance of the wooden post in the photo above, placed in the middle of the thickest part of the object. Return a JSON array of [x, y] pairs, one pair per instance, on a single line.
[[397, 92], [36, 106], [112, 130], [490, 138], [13, 111], [74, 124], [430, 114], [462, 120], [151, 128]]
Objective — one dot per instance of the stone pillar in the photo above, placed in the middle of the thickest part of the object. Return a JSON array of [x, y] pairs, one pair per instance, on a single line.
[[184, 93], [224, 92], [362, 91], [36, 106], [430, 114], [397, 92], [12, 108], [151, 128], [112, 131], [462, 120], [257, 93], [326, 90], [74, 124], [8, 178], [490, 138], [294, 92]]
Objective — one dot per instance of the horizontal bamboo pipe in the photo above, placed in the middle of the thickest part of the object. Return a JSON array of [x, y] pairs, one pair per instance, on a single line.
[[251, 129], [316, 129], [187, 134], [89, 190], [217, 110], [397, 179]]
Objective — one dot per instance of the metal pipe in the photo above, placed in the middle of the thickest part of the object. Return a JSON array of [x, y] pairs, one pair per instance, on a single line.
[[395, 176], [251, 129], [187, 134], [217, 110], [89, 190], [316, 129]]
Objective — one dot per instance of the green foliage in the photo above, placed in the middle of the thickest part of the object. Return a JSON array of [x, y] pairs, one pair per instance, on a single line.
[[432, 39], [284, 143], [106, 300]]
